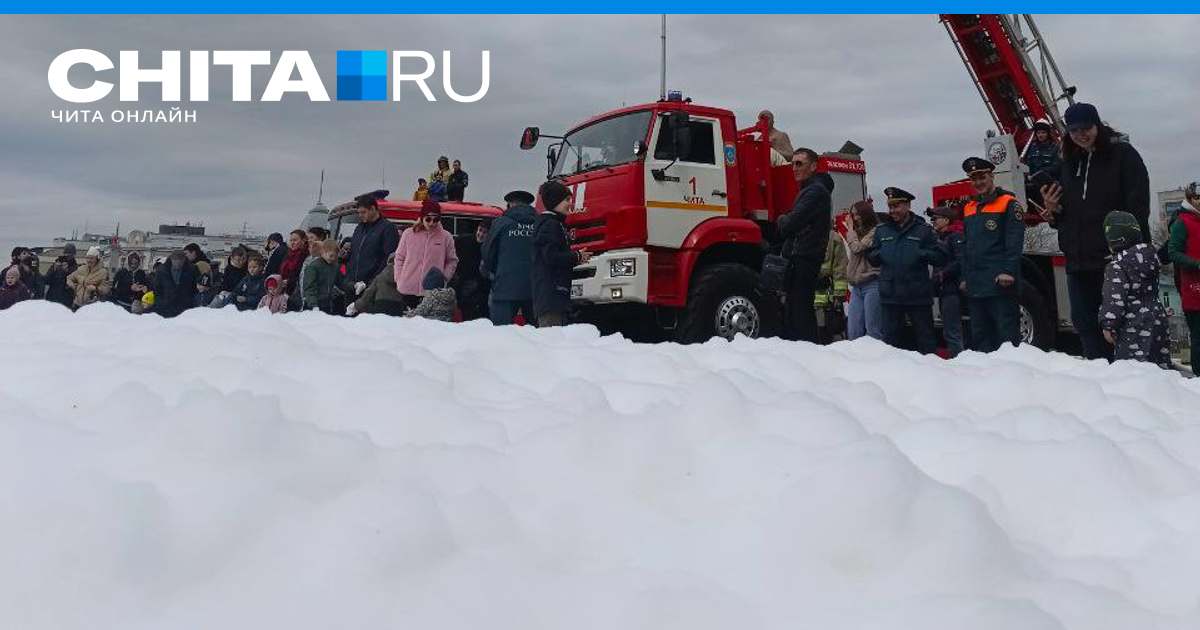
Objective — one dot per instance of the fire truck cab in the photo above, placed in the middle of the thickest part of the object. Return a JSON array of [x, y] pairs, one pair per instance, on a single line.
[[678, 207]]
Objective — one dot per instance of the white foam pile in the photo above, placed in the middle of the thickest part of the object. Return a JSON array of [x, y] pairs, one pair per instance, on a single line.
[[228, 470]]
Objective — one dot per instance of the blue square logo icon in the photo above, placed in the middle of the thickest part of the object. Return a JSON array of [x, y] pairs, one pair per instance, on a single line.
[[361, 75]]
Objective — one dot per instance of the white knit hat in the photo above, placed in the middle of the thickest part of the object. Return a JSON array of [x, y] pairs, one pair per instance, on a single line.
[[93, 251]]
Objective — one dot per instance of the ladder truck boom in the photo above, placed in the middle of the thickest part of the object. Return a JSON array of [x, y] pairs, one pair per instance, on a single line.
[[1013, 69]]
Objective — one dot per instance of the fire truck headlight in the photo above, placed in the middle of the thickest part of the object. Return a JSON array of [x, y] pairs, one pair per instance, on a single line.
[[622, 267]]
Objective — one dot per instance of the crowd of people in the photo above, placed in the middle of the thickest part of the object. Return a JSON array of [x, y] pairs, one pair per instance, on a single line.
[[892, 265], [1095, 190], [519, 268], [447, 182]]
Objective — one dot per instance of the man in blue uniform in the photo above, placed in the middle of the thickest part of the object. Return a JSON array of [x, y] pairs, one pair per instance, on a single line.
[[905, 247], [993, 239]]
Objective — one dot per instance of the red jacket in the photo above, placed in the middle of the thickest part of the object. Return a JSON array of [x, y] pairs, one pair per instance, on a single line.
[[1189, 277], [290, 269]]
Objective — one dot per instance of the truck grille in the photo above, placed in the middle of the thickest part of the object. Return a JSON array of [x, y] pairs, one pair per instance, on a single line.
[[587, 232]]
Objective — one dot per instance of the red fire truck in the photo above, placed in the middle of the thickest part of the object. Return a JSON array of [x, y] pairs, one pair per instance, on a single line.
[[677, 204], [457, 217]]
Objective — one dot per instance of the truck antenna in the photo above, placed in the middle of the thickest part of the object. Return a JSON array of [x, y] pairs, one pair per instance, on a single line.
[[662, 89]]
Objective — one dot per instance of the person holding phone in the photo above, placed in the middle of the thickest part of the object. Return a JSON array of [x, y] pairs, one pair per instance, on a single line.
[[1101, 172]]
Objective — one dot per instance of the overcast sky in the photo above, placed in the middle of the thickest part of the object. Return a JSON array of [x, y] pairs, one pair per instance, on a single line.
[[892, 84]]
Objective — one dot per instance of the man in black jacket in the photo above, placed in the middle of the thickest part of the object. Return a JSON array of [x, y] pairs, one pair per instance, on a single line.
[[374, 239], [175, 286], [469, 284], [456, 188], [277, 252], [1100, 174], [805, 230], [56, 277], [553, 258]]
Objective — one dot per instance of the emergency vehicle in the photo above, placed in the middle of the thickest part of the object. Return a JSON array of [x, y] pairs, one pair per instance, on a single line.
[[457, 217], [679, 206]]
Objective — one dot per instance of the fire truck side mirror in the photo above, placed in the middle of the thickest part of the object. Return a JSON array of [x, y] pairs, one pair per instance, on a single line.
[[530, 137]]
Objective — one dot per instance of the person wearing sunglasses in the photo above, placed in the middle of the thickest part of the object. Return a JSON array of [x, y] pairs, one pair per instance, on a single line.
[[424, 246]]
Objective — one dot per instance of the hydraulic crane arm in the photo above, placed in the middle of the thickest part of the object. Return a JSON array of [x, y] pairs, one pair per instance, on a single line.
[[1012, 68]]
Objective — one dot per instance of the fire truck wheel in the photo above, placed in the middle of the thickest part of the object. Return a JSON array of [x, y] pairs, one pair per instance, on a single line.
[[725, 299], [1037, 327]]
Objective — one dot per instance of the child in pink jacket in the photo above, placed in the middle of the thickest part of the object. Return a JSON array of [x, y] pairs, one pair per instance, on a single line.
[[275, 301], [422, 247]]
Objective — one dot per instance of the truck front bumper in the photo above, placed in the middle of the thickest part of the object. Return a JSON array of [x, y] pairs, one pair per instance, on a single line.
[[620, 276]]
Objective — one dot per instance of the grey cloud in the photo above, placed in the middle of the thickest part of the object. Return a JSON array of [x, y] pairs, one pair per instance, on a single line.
[[893, 84]]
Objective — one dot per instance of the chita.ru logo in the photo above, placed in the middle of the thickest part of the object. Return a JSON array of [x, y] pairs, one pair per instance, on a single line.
[[362, 75]]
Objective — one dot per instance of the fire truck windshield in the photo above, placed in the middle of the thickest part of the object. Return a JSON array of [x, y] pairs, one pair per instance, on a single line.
[[604, 143]]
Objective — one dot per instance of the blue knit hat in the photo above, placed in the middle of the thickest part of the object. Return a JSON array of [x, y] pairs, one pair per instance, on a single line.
[[435, 279]]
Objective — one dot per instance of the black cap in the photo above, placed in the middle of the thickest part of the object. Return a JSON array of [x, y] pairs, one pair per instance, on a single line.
[[896, 195], [69, 249], [973, 165], [1081, 116], [949, 212], [1043, 125], [519, 196]]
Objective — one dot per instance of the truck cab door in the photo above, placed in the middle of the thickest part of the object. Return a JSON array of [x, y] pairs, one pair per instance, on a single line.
[[688, 191]]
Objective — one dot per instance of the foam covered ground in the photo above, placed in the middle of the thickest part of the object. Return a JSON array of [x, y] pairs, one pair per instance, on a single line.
[[227, 470]]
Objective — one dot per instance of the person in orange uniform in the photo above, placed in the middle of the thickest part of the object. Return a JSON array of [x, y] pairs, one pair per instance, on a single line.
[[993, 239]]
